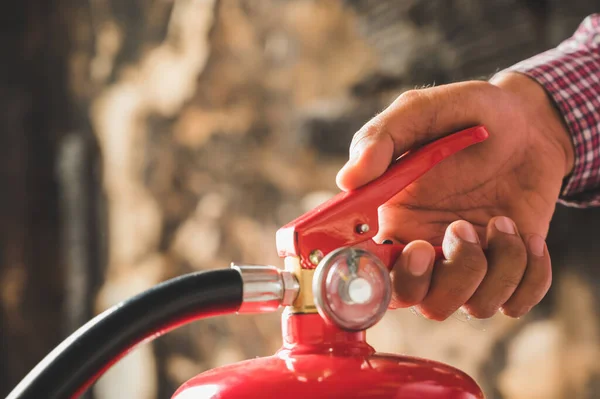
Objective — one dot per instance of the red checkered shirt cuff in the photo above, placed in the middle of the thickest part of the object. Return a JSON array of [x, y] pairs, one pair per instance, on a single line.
[[570, 74]]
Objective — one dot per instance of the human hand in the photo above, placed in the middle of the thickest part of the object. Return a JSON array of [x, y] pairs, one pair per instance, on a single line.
[[489, 206]]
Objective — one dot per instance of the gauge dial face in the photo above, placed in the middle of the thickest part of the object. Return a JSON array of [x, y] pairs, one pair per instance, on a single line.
[[352, 289]]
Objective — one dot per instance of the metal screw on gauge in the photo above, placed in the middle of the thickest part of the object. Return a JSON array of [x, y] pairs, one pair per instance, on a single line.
[[352, 289]]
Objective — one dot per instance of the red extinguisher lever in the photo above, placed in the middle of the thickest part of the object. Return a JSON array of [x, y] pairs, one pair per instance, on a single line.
[[350, 219]]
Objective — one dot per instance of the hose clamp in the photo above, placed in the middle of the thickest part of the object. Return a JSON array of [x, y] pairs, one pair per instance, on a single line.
[[266, 288]]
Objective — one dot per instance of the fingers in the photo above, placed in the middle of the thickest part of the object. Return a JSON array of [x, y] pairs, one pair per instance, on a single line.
[[536, 281], [416, 117], [519, 272], [507, 260], [455, 279], [513, 274], [371, 153], [412, 273]]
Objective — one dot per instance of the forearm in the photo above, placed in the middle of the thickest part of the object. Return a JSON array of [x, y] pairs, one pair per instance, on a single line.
[[570, 75]]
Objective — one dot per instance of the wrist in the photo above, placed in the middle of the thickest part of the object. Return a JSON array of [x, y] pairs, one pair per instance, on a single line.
[[534, 97]]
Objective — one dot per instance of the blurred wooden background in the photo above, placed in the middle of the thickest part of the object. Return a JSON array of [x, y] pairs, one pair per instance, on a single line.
[[144, 139]]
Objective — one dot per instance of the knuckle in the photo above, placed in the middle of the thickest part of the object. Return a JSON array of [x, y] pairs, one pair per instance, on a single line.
[[515, 312], [506, 246], [438, 312], [411, 96], [487, 94], [482, 311], [420, 99], [370, 131], [436, 316], [405, 298], [404, 303], [513, 246], [407, 292], [515, 250], [473, 261], [483, 86], [459, 291], [510, 280]]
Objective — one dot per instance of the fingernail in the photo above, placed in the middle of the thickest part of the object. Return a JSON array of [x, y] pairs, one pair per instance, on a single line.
[[537, 245], [505, 225], [465, 231], [418, 262]]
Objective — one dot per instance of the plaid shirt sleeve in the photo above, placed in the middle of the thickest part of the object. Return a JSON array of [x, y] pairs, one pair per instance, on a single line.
[[570, 74]]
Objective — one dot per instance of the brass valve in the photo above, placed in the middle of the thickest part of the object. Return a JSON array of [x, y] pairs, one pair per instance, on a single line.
[[305, 302]]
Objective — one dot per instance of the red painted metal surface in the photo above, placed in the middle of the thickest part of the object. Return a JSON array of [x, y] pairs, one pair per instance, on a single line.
[[333, 224], [320, 361]]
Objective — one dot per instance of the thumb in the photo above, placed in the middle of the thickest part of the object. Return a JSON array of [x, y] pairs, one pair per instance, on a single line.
[[371, 153], [413, 119]]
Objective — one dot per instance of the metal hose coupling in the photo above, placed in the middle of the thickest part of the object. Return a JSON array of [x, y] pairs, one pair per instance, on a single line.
[[266, 288]]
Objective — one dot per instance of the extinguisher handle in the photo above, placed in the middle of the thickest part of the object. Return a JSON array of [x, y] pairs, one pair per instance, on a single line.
[[351, 218], [412, 165]]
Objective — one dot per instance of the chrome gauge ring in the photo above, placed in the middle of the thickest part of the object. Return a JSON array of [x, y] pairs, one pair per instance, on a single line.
[[352, 289]]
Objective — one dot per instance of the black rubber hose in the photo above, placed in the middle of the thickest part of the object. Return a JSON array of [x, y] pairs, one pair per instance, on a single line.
[[86, 354]]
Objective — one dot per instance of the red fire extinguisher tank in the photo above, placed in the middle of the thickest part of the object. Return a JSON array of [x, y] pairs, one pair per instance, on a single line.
[[320, 361]]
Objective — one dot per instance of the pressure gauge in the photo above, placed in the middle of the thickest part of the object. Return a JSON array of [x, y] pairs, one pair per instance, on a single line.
[[352, 289]]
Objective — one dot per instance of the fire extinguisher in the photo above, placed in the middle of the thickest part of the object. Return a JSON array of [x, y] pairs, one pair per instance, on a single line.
[[334, 286]]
